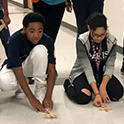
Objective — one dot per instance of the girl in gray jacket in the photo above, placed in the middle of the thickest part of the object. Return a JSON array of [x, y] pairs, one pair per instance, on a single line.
[[93, 69]]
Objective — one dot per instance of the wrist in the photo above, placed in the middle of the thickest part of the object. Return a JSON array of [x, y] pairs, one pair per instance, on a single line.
[[97, 94], [6, 13], [102, 88], [48, 96]]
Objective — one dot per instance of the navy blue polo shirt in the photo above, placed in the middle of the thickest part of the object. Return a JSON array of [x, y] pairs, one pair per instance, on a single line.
[[19, 48]]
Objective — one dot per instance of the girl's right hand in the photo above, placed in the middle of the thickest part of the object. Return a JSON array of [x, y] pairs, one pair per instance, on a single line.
[[97, 101]]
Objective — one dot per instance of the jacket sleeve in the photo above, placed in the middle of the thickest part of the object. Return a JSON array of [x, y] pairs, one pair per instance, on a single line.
[[82, 56], [109, 66]]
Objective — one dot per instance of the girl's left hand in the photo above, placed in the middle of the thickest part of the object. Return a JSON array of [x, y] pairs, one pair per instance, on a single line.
[[104, 94]]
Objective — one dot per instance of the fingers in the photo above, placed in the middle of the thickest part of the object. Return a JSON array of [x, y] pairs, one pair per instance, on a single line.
[[6, 20], [98, 104], [106, 99], [41, 109], [48, 105], [36, 109], [69, 9], [98, 101]]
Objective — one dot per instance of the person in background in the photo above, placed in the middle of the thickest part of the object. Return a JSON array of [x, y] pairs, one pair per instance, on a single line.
[[4, 15], [82, 10], [53, 11], [30, 53], [92, 72]]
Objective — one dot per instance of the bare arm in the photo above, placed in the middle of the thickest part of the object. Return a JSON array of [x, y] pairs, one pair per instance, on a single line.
[[6, 12], [101, 93], [94, 87], [102, 89], [23, 83], [47, 102], [97, 101], [108, 73]]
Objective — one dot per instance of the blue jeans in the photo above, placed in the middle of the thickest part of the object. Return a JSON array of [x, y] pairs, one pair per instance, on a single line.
[[83, 8], [4, 35]]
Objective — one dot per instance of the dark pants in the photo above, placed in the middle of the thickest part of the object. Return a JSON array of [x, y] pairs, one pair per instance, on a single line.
[[83, 8], [114, 89], [53, 15], [4, 35]]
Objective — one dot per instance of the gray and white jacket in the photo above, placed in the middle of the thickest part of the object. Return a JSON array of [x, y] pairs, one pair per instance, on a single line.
[[82, 63]]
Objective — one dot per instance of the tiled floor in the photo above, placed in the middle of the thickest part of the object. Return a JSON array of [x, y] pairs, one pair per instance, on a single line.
[[14, 111]]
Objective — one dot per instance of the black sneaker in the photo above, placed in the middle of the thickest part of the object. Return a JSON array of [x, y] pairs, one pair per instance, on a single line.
[[122, 70], [66, 84], [31, 81]]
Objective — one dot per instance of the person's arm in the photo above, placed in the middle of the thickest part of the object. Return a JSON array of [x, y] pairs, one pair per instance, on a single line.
[[6, 12], [108, 73], [102, 89], [82, 55], [97, 101], [23, 83], [47, 102], [68, 4], [109, 67]]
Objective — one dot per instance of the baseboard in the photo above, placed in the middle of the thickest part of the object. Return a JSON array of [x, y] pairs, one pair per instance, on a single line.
[[16, 3]]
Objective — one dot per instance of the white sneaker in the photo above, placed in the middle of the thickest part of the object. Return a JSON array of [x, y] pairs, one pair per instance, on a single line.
[[40, 92], [19, 94]]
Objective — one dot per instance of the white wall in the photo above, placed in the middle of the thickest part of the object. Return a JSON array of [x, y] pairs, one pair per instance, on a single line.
[[69, 18], [114, 11], [19, 1]]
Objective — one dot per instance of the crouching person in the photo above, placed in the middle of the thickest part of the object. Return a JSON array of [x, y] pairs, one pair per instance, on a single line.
[[30, 54]]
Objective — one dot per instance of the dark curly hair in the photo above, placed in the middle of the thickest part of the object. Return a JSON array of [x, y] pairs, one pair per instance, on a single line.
[[33, 17], [96, 20]]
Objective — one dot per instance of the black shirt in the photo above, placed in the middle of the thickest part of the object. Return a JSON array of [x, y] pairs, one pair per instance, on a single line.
[[19, 48], [104, 55]]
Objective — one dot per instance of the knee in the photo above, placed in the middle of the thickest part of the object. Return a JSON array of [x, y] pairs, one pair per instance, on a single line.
[[84, 97], [6, 85], [40, 51], [117, 95], [86, 91]]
